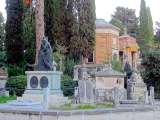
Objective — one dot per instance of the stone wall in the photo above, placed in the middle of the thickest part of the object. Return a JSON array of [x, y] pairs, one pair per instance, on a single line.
[[143, 113]]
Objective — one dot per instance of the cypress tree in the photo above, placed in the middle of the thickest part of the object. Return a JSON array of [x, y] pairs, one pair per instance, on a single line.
[[84, 28], [59, 22], [2, 24], [150, 25], [29, 36], [49, 11], [143, 28], [14, 31]]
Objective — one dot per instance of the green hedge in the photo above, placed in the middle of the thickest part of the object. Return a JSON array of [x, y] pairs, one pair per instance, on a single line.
[[67, 82], [16, 82]]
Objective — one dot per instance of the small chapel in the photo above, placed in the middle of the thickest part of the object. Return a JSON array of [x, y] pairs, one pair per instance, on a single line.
[[109, 44]]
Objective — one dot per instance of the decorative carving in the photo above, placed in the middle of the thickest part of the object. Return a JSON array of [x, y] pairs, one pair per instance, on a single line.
[[34, 82], [44, 82], [45, 57]]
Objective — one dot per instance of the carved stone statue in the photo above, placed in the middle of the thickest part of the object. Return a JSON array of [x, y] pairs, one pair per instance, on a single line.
[[45, 57]]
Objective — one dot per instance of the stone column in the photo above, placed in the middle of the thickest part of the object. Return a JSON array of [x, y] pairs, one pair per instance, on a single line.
[[152, 101], [45, 98], [116, 97], [146, 97]]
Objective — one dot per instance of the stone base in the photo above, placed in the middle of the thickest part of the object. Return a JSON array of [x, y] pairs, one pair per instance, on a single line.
[[136, 91], [108, 94], [128, 101], [54, 100], [34, 92]]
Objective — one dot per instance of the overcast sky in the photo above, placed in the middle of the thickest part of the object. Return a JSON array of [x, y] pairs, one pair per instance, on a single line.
[[104, 8]]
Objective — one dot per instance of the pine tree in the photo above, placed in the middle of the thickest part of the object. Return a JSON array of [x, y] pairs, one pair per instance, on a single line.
[[83, 40], [127, 17], [118, 24], [143, 28], [14, 31], [150, 25]]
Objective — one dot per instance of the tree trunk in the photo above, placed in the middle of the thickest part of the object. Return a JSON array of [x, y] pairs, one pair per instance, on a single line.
[[39, 25]]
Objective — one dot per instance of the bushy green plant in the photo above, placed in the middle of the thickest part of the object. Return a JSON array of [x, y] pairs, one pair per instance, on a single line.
[[116, 65], [15, 71], [19, 70], [16, 82], [71, 60], [67, 82]]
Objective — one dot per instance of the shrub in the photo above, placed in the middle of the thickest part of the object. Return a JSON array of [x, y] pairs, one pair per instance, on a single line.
[[16, 82], [19, 70], [16, 71], [67, 82]]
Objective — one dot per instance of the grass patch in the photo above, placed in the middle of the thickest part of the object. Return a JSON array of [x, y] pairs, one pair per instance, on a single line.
[[4, 99], [141, 101], [85, 107], [109, 106], [69, 106]]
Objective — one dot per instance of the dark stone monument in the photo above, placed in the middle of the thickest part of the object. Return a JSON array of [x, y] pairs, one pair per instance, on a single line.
[[45, 57]]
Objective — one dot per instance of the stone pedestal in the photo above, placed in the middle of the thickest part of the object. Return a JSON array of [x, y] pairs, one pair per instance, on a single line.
[[37, 80], [136, 88]]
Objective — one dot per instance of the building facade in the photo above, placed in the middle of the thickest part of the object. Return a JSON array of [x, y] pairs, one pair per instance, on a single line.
[[109, 45], [107, 42]]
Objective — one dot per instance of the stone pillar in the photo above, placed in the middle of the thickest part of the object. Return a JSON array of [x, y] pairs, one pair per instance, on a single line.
[[7, 93], [45, 98], [76, 94], [116, 97], [146, 97], [85, 91], [152, 101]]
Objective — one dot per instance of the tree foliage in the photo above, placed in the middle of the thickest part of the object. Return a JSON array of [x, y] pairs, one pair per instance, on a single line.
[[157, 34], [118, 24], [83, 29], [151, 67], [14, 31], [59, 22], [128, 70], [29, 35], [143, 27], [71, 60], [49, 14], [150, 26], [2, 27], [128, 19]]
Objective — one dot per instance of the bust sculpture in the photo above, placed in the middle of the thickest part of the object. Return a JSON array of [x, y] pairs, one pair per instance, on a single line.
[[45, 57]]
